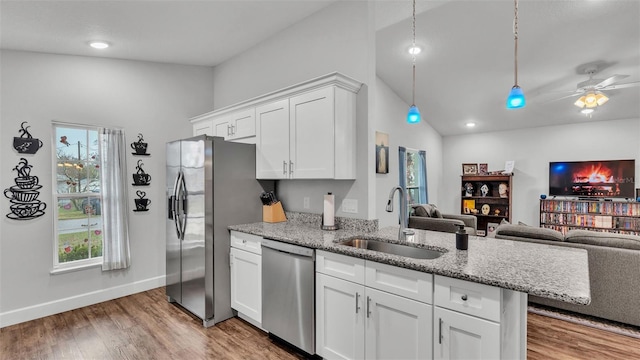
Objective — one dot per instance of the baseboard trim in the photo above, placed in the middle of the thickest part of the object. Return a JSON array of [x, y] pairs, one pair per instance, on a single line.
[[33, 312]]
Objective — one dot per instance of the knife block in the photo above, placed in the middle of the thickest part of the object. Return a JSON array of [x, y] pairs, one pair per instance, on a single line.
[[273, 213]]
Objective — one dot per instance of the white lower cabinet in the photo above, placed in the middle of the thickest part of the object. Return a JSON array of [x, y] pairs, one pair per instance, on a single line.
[[354, 321], [339, 318], [459, 336], [396, 327], [246, 276], [477, 321]]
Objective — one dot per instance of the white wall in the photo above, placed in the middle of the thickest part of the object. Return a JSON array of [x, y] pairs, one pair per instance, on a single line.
[[149, 98], [391, 114], [532, 150], [340, 37]]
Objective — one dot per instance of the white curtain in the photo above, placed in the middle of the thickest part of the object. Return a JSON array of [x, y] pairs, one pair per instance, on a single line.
[[115, 249]]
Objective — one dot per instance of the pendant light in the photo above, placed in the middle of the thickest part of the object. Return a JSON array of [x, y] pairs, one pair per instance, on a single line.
[[413, 116], [516, 98]]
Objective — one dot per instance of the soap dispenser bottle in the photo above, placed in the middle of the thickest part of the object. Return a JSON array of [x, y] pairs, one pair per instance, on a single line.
[[462, 238]]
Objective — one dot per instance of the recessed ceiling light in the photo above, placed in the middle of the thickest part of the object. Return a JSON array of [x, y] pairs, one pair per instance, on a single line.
[[415, 50], [99, 44], [470, 124]]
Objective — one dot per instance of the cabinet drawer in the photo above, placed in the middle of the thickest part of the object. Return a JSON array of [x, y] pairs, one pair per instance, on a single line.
[[411, 284], [341, 266], [468, 297], [248, 242]]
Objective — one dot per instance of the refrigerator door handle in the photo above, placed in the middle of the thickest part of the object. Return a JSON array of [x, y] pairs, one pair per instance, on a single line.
[[183, 200], [176, 206]]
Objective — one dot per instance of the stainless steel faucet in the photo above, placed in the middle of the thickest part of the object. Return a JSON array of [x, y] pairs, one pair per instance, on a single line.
[[403, 210]]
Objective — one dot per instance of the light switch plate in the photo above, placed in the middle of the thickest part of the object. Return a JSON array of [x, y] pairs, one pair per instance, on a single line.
[[350, 206], [306, 202]]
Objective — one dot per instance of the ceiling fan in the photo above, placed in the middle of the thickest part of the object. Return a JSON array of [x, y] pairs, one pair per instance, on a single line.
[[591, 91]]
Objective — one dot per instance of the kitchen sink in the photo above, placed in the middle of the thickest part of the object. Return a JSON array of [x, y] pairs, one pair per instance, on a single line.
[[390, 248]]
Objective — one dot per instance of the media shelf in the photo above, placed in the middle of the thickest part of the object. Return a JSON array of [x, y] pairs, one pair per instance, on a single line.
[[496, 199], [596, 215]]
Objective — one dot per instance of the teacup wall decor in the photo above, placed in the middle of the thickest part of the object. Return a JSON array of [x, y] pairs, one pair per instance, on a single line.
[[141, 202], [26, 144], [140, 146], [140, 178], [24, 194]]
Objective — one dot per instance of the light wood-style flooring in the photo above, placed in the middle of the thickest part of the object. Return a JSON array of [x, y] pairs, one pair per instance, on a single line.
[[146, 326]]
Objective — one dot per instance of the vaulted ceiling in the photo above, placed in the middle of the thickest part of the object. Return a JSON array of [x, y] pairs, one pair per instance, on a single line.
[[464, 73]]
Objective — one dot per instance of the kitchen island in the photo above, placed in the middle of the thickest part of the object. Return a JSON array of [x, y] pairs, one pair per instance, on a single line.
[[484, 287]]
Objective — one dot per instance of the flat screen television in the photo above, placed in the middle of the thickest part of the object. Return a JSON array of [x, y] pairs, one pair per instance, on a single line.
[[602, 178]]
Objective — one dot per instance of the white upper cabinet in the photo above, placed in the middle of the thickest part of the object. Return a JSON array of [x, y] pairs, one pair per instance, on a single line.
[[304, 131], [272, 139], [237, 126]]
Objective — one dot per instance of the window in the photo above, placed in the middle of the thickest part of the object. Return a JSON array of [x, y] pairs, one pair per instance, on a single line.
[[77, 192], [413, 176]]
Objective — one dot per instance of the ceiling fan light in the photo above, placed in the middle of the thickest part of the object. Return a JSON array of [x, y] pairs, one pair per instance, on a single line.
[[601, 99], [587, 111], [413, 116], [516, 98], [590, 99], [580, 102]]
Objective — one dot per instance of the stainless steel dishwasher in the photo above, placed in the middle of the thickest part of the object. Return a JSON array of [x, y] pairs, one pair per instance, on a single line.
[[288, 293]]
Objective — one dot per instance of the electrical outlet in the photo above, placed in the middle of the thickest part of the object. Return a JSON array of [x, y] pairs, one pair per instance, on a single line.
[[350, 206], [306, 202]]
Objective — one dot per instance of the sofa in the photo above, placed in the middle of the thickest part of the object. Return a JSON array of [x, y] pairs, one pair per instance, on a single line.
[[614, 269], [429, 217]]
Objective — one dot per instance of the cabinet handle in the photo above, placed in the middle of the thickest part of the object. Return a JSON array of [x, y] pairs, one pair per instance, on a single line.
[[357, 298], [290, 167], [368, 307], [230, 259], [439, 330], [228, 130], [464, 297], [233, 130], [284, 167]]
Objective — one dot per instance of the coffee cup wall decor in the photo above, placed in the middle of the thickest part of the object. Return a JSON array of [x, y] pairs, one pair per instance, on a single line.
[[26, 144], [141, 202], [140, 146], [24, 194], [140, 178]]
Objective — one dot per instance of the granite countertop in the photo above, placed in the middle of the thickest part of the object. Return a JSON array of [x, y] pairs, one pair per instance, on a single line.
[[552, 272]]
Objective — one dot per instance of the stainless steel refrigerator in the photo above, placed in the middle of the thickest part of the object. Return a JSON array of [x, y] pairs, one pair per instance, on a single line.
[[211, 184]]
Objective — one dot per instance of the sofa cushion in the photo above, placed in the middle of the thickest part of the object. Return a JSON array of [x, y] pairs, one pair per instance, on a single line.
[[603, 239], [426, 210], [529, 232]]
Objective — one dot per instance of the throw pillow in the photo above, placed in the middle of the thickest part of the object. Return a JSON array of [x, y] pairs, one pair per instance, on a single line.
[[504, 221], [426, 210], [436, 212]]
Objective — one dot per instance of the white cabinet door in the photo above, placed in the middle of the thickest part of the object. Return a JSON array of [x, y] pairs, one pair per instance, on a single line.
[[246, 283], [339, 318], [221, 128], [459, 336], [242, 124], [397, 327], [272, 142], [204, 127], [312, 134]]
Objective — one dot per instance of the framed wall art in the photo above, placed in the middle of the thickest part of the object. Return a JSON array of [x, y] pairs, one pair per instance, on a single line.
[[382, 153], [469, 169]]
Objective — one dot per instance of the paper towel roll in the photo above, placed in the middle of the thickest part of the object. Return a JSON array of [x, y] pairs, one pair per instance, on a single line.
[[329, 210]]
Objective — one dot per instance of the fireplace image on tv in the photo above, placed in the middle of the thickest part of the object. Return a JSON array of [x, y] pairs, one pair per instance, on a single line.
[[605, 178]]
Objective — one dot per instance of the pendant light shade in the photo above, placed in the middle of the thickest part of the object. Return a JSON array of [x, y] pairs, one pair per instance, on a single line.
[[413, 116], [516, 98]]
